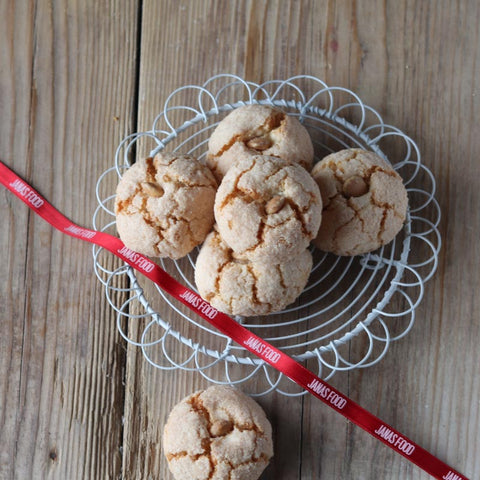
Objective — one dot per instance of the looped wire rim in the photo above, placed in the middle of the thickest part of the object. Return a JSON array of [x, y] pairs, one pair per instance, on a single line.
[[325, 119]]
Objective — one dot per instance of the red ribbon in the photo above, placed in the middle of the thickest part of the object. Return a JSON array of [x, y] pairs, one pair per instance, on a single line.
[[267, 352]]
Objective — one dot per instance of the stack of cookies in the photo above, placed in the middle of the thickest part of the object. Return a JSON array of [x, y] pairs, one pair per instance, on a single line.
[[267, 210], [255, 207]]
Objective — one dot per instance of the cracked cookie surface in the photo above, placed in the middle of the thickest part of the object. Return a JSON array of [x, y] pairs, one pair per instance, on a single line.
[[258, 129], [164, 205], [364, 202], [217, 434], [267, 209], [236, 286]]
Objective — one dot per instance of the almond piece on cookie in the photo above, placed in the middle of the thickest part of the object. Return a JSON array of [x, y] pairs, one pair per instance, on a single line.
[[219, 433], [258, 129], [164, 205], [267, 209], [364, 202]]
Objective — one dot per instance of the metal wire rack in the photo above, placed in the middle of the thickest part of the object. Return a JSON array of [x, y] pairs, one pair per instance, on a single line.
[[351, 309]]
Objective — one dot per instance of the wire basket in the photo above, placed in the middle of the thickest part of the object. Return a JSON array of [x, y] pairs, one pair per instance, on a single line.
[[352, 307]]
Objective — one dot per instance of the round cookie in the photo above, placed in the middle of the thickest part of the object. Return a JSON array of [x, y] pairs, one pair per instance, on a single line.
[[164, 205], [267, 209], [364, 202], [237, 286], [217, 434], [258, 129]]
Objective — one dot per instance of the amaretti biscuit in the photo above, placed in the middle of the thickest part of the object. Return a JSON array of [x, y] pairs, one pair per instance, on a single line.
[[258, 129], [164, 205], [237, 286], [267, 209], [364, 202], [217, 434]]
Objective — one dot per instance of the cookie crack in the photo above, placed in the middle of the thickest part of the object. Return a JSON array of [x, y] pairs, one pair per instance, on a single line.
[[308, 193], [255, 298], [355, 154], [177, 455], [235, 188], [330, 198], [299, 217], [183, 221], [179, 182], [183, 454], [277, 170], [261, 458], [198, 406], [147, 217], [281, 277], [167, 160], [274, 121], [260, 238], [260, 234], [339, 227], [218, 278], [263, 226], [379, 169], [149, 220], [227, 146], [250, 427], [122, 205], [151, 170], [381, 229], [385, 206], [357, 212], [249, 196]]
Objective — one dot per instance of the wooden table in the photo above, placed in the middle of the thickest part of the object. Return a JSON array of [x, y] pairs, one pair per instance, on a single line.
[[77, 402]]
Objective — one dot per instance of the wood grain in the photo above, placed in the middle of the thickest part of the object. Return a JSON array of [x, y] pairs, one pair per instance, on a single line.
[[64, 66], [76, 77]]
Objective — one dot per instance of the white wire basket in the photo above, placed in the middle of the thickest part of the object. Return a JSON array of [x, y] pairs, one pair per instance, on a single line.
[[352, 308]]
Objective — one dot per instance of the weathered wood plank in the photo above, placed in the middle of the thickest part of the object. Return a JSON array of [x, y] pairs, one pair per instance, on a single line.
[[68, 77]]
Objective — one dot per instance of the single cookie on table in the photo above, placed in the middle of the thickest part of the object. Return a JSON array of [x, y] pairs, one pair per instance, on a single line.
[[258, 129], [236, 286], [364, 202], [217, 434], [267, 209], [164, 205]]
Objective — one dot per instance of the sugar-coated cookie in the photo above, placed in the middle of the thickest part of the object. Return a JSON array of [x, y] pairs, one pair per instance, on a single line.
[[267, 209], [236, 286], [217, 434], [364, 202], [164, 205], [258, 129]]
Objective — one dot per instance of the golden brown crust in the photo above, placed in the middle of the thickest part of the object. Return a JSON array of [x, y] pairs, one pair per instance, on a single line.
[[237, 286], [197, 450], [248, 213], [164, 205], [364, 202], [258, 129]]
